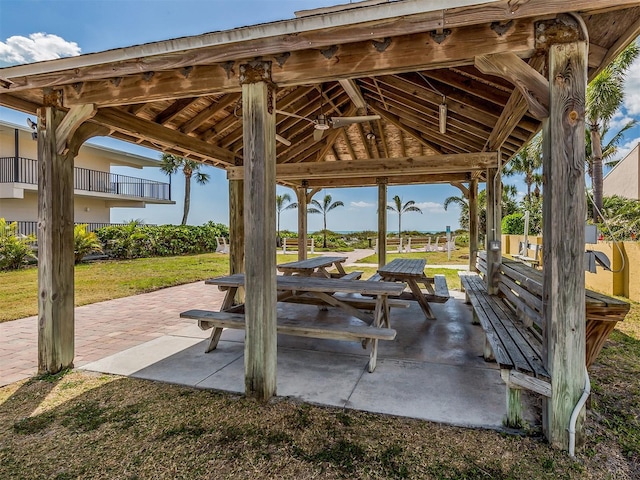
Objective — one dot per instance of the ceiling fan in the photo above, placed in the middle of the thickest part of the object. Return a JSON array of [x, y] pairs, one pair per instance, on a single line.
[[322, 122]]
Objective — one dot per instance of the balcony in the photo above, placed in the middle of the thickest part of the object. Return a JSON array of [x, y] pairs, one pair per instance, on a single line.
[[25, 170]]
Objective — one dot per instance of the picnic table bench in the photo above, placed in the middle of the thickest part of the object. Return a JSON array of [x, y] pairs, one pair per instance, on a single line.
[[335, 292], [411, 272], [512, 322]]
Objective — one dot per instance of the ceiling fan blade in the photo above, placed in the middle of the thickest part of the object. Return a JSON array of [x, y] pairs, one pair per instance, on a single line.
[[295, 115], [283, 140], [317, 134], [337, 122]]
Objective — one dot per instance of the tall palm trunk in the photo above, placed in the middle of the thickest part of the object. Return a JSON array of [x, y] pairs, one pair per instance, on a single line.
[[324, 232], [187, 199], [596, 148]]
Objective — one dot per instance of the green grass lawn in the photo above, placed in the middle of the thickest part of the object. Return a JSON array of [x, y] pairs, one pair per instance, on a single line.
[[106, 280], [85, 425], [458, 257]]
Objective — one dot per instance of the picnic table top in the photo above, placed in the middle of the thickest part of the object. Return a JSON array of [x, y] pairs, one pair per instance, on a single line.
[[316, 284], [409, 267], [312, 263]]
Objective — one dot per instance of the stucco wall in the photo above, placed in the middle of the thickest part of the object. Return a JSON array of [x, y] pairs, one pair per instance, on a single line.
[[624, 179]]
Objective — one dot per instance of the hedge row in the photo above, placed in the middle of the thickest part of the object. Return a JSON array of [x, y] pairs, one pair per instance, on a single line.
[[136, 241]]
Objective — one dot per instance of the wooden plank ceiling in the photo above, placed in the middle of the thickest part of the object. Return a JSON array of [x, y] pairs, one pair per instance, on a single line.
[[188, 103]]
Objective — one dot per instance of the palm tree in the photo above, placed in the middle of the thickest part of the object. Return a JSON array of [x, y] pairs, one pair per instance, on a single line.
[[399, 208], [281, 205], [605, 94], [171, 164], [509, 206], [325, 208], [527, 162]]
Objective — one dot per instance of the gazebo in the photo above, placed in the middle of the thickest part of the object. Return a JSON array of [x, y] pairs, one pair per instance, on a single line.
[[441, 92]]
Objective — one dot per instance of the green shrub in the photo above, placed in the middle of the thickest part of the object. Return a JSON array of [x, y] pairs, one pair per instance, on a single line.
[[15, 250], [134, 240], [84, 242], [513, 224]]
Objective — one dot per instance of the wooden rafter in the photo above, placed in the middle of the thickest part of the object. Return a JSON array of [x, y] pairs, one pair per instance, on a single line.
[[157, 134]]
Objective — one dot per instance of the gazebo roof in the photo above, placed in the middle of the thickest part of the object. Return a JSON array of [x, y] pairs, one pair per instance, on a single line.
[[398, 60]]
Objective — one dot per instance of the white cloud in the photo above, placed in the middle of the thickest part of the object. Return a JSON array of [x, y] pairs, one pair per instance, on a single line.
[[624, 149], [36, 48], [430, 207], [362, 204], [632, 89]]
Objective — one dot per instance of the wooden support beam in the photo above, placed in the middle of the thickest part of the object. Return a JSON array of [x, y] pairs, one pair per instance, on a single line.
[[405, 53], [236, 231], [564, 211], [70, 123], [512, 113], [301, 195], [407, 179], [259, 131], [347, 142], [429, 164], [396, 121], [209, 112], [56, 322], [353, 90], [382, 221], [493, 234], [157, 134], [473, 223], [531, 84]]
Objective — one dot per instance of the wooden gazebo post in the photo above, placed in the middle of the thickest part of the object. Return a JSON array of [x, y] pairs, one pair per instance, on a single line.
[[259, 150], [493, 235], [236, 230], [473, 223], [382, 221], [58, 144], [564, 212], [301, 195]]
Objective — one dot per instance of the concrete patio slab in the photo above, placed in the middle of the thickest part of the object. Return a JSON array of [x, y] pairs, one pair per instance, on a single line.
[[470, 397]]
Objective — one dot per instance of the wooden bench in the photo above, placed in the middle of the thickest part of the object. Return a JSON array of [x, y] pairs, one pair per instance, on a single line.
[[440, 288], [292, 244], [393, 243], [514, 345], [419, 243], [533, 259], [512, 322], [363, 333]]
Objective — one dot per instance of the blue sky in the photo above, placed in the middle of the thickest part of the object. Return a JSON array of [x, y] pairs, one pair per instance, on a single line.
[[36, 29]]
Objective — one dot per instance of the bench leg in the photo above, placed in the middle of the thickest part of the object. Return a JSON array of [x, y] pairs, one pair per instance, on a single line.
[[513, 419], [214, 339], [475, 320], [373, 356], [488, 351]]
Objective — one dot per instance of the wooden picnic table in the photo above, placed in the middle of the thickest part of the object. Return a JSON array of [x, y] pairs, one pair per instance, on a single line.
[[411, 272], [335, 292], [314, 266]]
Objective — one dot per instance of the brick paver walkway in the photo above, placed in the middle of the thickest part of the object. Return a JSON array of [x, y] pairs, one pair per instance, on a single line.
[[105, 328]]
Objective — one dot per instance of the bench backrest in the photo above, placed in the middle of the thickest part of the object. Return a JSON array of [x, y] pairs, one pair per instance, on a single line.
[[292, 244], [531, 250], [523, 294]]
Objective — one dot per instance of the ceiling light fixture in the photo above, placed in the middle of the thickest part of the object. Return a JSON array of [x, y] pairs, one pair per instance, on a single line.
[[442, 108], [443, 116]]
